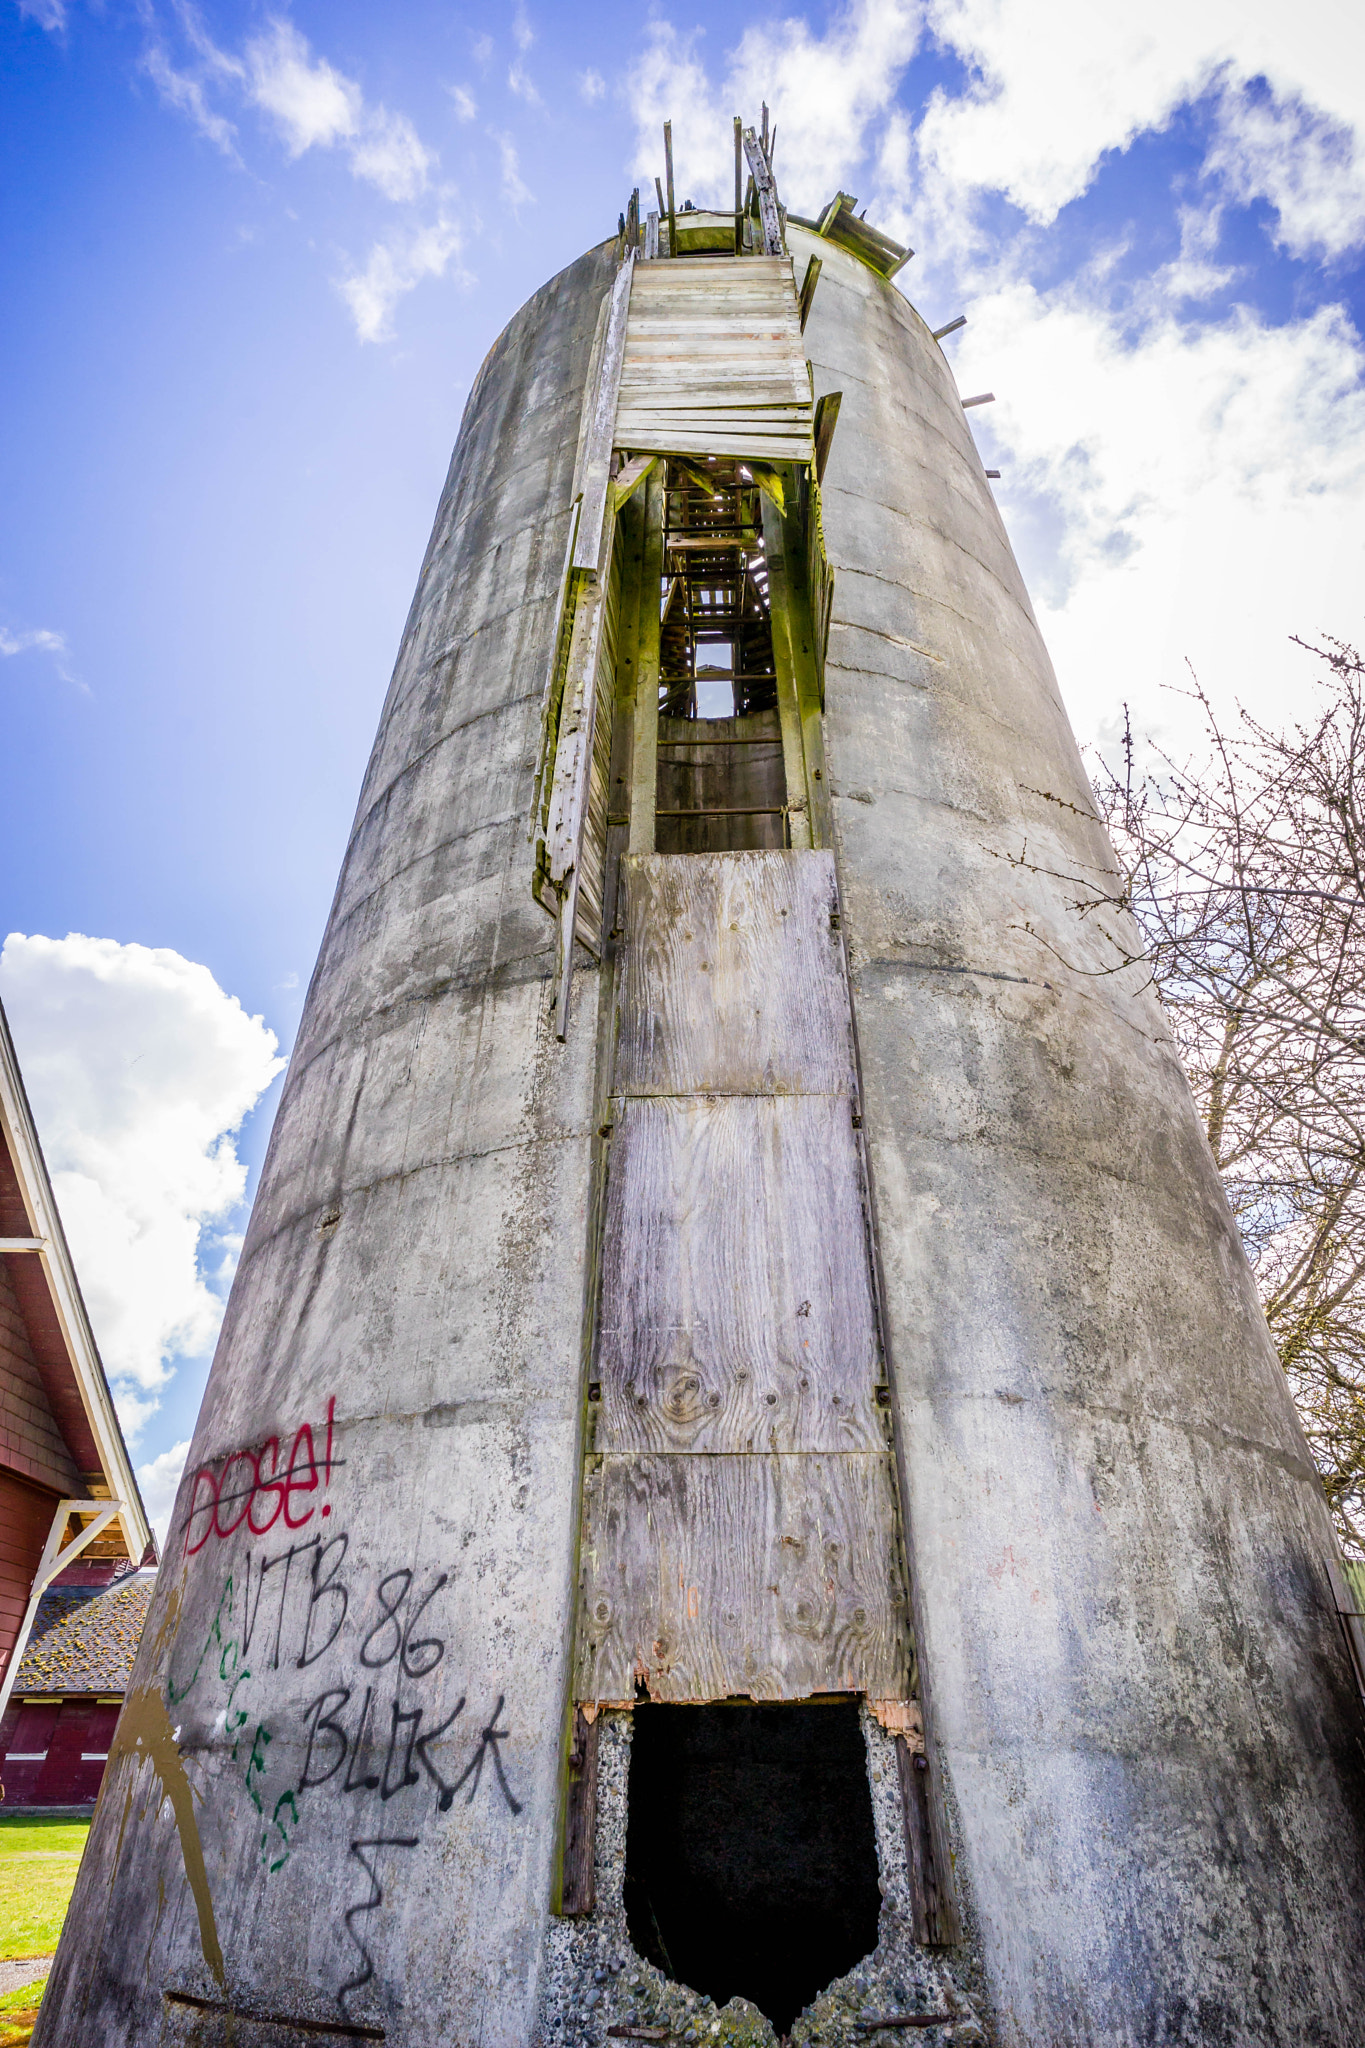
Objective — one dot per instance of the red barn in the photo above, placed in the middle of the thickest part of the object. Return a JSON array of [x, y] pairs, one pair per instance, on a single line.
[[55, 1736], [71, 1517]]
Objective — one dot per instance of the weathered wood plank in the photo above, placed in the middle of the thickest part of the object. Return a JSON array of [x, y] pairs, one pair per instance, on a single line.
[[761, 172], [736, 1311], [767, 1576], [732, 980]]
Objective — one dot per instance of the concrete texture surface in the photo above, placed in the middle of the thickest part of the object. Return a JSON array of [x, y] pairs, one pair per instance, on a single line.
[[1145, 1717]]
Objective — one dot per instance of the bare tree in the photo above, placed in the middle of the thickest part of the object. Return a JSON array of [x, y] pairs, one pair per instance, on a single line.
[[1245, 875]]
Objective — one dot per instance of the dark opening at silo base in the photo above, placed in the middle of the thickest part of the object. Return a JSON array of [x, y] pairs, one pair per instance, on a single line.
[[751, 1857]]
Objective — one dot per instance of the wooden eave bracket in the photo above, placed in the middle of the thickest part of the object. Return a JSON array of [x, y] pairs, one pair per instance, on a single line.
[[55, 1558]]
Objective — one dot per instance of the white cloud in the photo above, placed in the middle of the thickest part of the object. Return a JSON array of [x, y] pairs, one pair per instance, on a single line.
[[466, 106], [520, 82], [591, 86], [158, 1481], [483, 50], [140, 1071], [392, 156], [1191, 491], [49, 14], [515, 190], [824, 92], [312, 104], [393, 269], [187, 94], [1311, 169], [522, 32], [41, 640], [1054, 88], [24, 643]]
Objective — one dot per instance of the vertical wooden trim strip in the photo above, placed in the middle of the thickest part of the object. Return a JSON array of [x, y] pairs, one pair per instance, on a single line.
[[577, 1892], [602, 426], [933, 1908]]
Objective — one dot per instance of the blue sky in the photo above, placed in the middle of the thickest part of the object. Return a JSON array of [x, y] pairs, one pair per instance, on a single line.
[[253, 258]]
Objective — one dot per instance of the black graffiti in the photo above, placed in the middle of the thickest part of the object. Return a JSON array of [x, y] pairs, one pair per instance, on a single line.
[[252, 1608], [325, 1589], [488, 1741], [370, 1782], [319, 1713], [417, 1658], [408, 1753], [365, 1972]]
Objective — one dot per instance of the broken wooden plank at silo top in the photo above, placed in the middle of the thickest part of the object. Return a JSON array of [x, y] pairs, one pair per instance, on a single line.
[[840, 223], [808, 284]]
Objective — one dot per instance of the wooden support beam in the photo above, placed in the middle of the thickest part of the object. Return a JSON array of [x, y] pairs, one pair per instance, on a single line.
[[739, 186], [806, 660], [644, 781], [668, 173], [788, 707]]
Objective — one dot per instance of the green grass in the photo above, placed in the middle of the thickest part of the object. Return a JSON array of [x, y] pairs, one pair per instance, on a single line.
[[25, 1999], [38, 1864]]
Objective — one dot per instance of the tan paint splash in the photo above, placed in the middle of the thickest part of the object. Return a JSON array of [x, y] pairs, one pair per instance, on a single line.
[[144, 1730]]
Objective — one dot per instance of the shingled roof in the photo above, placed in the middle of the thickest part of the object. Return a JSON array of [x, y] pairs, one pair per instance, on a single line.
[[85, 1637]]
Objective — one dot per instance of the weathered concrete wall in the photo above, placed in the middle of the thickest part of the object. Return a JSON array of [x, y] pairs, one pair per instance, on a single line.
[[414, 1268], [1142, 1700]]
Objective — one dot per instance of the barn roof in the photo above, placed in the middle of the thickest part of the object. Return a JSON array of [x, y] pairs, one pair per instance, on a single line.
[[85, 1637]]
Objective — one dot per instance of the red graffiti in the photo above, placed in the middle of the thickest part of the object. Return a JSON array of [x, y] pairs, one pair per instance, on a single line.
[[252, 1488]]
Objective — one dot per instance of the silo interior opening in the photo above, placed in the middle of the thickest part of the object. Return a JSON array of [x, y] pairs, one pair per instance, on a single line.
[[721, 779], [751, 1859]]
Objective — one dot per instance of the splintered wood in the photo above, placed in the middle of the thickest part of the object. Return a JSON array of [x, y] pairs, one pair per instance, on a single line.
[[714, 363], [740, 1529]]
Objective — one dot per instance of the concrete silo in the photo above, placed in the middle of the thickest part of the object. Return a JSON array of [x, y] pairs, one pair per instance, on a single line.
[[743, 1462]]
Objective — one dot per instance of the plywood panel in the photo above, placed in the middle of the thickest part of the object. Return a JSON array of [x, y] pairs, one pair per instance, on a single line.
[[768, 1576], [737, 1312], [732, 979]]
